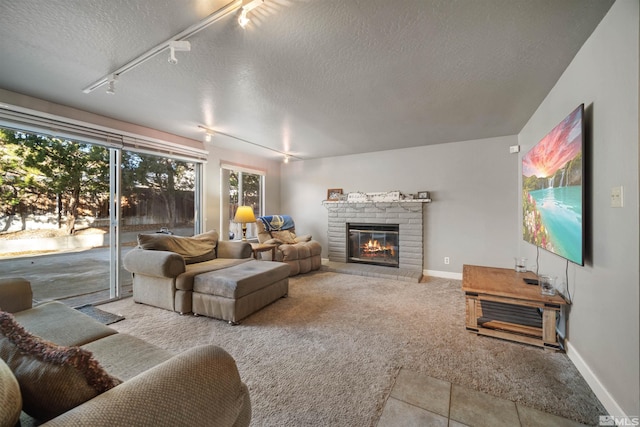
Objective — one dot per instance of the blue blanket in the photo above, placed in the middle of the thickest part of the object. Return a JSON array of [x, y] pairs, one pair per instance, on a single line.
[[277, 222]]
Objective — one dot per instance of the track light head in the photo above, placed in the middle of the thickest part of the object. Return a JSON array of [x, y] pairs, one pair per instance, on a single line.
[[172, 56], [111, 89], [180, 46], [243, 20], [208, 133]]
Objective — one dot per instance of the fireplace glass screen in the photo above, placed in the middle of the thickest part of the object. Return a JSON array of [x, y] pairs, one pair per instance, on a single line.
[[373, 244]]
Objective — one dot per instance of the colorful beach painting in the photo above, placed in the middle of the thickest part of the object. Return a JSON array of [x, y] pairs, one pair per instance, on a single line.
[[552, 190]]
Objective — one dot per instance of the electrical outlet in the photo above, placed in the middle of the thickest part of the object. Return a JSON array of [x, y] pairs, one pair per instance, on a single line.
[[446, 260]]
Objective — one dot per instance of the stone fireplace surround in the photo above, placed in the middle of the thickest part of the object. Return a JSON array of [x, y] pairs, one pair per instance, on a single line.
[[407, 214]]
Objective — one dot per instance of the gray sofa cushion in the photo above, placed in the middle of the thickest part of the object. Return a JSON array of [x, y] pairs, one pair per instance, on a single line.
[[125, 356], [199, 248], [185, 280], [58, 323]]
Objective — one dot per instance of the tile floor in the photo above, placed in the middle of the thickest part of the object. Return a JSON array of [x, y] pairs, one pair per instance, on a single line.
[[419, 400]]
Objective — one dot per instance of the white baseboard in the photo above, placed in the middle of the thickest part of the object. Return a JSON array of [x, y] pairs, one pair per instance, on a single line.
[[598, 388], [443, 274]]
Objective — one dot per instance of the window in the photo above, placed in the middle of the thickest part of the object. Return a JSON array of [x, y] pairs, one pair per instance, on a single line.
[[244, 187], [56, 196], [157, 193]]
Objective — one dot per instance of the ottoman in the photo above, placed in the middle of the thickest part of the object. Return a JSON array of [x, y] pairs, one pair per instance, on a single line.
[[234, 293]]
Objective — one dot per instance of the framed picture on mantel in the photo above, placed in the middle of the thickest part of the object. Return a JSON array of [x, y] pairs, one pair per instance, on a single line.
[[333, 194]]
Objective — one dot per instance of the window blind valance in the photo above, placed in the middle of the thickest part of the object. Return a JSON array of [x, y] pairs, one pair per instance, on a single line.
[[22, 119]]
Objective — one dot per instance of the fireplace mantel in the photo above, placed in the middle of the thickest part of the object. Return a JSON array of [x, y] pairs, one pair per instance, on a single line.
[[336, 203], [408, 214]]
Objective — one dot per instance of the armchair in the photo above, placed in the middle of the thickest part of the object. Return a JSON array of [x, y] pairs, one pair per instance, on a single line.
[[300, 252]]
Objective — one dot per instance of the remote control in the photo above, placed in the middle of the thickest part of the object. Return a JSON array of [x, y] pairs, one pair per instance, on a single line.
[[530, 281]]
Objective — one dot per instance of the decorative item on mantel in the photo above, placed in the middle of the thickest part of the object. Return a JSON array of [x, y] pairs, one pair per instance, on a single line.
[[386, 196], [383, 196], [334, 194], [422, 195], [378, 197]]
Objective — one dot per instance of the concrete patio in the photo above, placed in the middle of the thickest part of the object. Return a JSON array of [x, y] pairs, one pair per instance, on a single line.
[[74, 278]]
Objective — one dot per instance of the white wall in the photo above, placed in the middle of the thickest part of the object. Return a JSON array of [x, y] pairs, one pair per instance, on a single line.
[[603, 330], [472, 218], [211, 181]]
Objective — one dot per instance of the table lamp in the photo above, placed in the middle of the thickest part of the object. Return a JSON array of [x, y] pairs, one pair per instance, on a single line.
[[244, 214]]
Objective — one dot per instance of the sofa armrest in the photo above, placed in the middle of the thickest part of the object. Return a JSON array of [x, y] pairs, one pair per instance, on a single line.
[[200, 386], [235, 250], [15, 294], [273, 241], [154, 263]]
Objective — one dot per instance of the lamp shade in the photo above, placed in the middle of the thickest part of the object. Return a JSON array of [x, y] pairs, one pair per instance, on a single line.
[[244, 214]]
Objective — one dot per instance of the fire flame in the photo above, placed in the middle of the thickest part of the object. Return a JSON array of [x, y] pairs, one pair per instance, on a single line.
[[373, 246]]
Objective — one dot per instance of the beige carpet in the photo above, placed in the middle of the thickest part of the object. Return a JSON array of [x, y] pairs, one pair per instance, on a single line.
[[328, 354]]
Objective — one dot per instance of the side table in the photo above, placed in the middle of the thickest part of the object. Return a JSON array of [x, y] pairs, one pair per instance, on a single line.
[[499, 304], [264, 247]]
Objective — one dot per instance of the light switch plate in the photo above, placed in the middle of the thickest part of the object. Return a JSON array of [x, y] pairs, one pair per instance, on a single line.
[[616, 197]]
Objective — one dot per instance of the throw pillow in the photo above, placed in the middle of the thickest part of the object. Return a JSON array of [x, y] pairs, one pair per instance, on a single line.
[[199, 248], [285, 235], [53, 379]]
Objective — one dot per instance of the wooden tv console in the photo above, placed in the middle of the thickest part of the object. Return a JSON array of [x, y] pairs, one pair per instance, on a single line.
[[500, 304]]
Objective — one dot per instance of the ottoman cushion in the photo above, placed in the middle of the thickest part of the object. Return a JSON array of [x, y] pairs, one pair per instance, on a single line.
[[240, 280]]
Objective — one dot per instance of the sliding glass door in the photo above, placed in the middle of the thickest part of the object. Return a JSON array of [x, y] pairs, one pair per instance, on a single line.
[[54, 217], [158, 195], [70, 209]]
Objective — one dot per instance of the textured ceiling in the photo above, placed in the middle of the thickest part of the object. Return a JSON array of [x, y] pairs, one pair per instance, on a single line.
[[315, 78]]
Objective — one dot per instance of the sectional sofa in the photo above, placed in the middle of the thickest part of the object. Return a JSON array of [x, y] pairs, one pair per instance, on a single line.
[[204, 276], [64, 368]]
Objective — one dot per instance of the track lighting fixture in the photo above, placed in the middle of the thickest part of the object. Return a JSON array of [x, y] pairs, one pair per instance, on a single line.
[[243, 20], [175, 43], [111, 89], [210, 132], [189, 32], [180, 46]]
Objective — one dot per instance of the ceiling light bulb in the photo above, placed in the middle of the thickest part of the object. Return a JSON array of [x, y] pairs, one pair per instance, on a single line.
[[286, 158], [207, 137]]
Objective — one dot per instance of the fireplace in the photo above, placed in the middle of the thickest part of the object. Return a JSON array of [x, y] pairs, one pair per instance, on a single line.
[[407, 215], [373, 244]]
